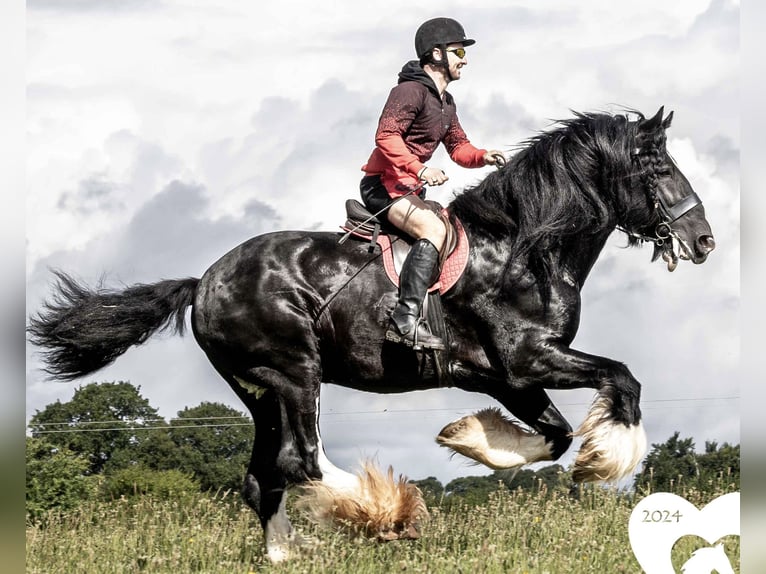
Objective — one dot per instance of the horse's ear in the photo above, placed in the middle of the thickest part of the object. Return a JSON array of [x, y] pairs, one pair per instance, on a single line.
[[653, 123], [667, 120]]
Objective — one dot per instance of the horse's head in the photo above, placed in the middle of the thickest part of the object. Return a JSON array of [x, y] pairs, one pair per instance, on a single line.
[[676, 217]]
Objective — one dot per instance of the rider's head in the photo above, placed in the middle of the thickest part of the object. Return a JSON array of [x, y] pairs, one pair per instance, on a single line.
[[436, 40]]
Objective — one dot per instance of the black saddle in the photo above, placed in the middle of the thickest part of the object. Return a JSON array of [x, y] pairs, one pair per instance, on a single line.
[[362, 224]]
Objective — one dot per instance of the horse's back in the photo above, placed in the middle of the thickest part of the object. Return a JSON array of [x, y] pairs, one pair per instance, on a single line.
[[284, 265], [279, 291]]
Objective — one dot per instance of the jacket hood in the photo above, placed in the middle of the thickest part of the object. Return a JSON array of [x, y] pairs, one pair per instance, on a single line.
[[412, 72]]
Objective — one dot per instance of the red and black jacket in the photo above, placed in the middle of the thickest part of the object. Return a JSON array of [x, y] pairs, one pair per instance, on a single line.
[[414, 121]]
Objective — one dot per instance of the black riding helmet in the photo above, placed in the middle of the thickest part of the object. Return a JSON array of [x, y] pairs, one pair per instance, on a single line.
[[438, 32]]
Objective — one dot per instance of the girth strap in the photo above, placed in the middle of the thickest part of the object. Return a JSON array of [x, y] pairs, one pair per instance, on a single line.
[[434, 314], [374, 238]]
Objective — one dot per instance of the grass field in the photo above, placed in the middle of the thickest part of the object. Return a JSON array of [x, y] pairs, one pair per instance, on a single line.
[[513, 532]]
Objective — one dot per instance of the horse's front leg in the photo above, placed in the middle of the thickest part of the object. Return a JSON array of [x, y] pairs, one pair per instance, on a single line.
[[492, 439], [613, 438]]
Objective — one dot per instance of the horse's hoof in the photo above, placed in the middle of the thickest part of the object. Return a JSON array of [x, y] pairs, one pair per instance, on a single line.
[[409, 532], [610, 450], [382, 507]]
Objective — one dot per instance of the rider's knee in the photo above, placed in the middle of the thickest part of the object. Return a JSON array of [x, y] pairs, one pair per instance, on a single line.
[[435, 231]]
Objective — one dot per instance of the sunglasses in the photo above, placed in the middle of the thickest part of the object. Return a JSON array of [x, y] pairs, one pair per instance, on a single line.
[[459, 52]]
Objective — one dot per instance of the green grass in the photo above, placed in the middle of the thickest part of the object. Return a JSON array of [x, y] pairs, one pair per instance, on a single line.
[[512, 532]]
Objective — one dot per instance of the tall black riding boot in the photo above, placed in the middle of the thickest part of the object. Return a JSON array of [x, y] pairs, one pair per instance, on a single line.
[[417, 274]]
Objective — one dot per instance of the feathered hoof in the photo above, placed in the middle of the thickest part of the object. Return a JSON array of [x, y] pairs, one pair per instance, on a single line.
[[494, 440], [410, 532], [382, 508], [284, 548], [610, 450]]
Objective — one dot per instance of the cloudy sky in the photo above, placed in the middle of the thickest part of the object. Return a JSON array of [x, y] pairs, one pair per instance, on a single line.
[[160, 134]]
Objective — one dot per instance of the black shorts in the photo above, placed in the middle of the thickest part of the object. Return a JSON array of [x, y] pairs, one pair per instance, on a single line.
[[374, 194]]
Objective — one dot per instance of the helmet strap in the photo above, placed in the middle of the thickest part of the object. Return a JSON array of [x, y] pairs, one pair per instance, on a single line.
[[444, 62]]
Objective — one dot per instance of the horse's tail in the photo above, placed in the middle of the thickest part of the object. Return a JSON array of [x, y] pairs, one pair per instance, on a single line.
[[83, 330]]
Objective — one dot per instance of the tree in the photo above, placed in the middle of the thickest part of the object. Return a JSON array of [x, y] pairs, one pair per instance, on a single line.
[[527, 479], [674, 462], [113, 427], [138, 480], [477, 489], [97, 423], [667, 463], [213, 442], [431, 488], [523, 478], [55, 478], [155, 450], [719, 462], [473, 489]]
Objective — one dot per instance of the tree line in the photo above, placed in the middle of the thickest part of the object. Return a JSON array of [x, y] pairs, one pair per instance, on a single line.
[[108, 442]]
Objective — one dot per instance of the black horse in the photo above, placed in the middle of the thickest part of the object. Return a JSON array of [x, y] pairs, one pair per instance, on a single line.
[[284, 312]]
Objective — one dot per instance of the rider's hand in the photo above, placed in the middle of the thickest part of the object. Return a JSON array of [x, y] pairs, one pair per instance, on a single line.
[[492, 157], [433, 176]]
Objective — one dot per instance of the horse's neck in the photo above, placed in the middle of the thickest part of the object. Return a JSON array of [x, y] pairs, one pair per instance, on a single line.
[[575, 257], [580, 254]]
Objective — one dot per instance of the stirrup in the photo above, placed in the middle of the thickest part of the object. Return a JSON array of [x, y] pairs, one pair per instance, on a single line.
[[411, 339]]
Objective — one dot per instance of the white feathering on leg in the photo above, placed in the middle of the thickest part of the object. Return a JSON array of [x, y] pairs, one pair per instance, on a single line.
[[332, 476], [279, 535], [494, 440], [370, 502], [381, 507], [610, 450]]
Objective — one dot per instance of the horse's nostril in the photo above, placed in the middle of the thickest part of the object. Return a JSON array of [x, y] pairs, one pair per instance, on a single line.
[[705, 243]]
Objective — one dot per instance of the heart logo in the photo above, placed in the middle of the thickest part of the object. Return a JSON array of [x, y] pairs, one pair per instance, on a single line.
[[662, 518]]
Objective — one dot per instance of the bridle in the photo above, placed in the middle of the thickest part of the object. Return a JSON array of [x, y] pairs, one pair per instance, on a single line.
[[668, 213]]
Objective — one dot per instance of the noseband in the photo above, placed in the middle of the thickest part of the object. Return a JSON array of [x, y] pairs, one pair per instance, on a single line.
[[668, 213]]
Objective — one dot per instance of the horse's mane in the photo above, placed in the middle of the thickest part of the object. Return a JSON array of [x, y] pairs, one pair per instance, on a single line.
[[563, 182]]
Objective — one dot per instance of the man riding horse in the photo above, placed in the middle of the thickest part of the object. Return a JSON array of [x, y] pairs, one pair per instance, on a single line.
[[419, 115], [285, 312]]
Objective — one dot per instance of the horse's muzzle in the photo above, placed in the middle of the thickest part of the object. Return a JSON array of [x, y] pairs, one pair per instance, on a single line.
[[703, 245]]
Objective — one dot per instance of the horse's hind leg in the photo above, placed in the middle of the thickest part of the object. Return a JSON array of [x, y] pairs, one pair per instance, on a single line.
[[287, 451], [372, 502], [332, 476], [267, 477]]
